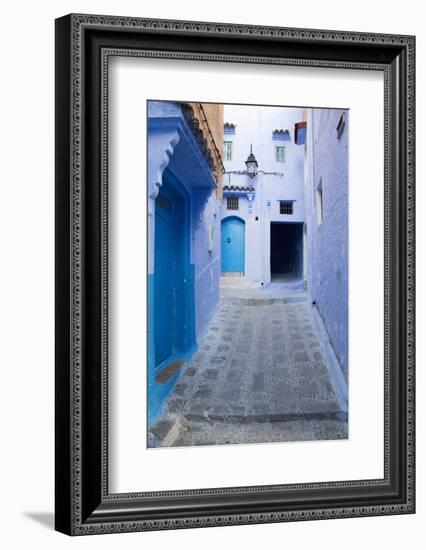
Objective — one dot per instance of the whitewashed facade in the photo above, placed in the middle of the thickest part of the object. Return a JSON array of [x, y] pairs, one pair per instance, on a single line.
[[267, 200]]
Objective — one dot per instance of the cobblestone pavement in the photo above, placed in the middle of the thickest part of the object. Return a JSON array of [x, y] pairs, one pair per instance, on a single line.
[[259, 376]]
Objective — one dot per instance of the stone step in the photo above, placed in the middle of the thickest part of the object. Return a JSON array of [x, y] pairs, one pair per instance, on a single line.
[[264, 418], [265, 301]]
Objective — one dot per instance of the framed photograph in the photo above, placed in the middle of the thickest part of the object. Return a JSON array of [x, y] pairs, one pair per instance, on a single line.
[[234, 274]]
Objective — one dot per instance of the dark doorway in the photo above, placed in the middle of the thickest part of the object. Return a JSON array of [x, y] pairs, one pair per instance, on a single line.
[[286, 249]]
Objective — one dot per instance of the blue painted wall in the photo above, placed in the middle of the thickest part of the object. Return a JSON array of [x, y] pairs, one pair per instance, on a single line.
[[205, 218], [177, 168], [152, 400], [327, 270]]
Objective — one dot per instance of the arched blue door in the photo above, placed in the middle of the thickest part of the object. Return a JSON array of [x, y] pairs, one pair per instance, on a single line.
[[233, 245]]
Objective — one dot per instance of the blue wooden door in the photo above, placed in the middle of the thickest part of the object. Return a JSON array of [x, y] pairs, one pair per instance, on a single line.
[[165, 261], [233, 245]]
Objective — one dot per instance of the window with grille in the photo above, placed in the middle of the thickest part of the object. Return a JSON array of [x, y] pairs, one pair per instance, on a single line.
[[232, 203], [280, 153], [286, 207], [228, 150]]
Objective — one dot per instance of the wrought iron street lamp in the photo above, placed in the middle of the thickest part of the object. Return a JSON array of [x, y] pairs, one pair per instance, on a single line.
[[251, 164], [252, 168]]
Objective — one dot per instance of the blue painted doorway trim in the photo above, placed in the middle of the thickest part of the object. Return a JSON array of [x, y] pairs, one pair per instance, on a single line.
[[171, 295], [233, 244], [166, 259]]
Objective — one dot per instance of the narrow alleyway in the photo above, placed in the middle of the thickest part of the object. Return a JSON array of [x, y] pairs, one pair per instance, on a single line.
[[262, 373]]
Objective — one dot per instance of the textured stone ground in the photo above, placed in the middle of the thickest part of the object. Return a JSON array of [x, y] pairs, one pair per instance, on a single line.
[[259, 376]]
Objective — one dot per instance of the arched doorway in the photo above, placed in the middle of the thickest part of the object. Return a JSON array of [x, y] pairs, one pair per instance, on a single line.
[[233, 245], [173, 318]]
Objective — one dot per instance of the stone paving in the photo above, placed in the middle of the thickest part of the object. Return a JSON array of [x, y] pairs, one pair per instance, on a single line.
[[259, 376]]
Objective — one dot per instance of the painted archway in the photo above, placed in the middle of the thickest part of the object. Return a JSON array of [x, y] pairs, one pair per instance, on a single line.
[[233, 245], [173, 288]]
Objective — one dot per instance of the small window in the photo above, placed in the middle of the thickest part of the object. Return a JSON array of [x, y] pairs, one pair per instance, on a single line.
[[228, 150], [232, 203], [320, 204], [286, 207], [280, 153]]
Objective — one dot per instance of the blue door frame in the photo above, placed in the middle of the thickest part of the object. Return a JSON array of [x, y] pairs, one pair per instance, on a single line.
[[171, 294], [166, 259], [233, 244]]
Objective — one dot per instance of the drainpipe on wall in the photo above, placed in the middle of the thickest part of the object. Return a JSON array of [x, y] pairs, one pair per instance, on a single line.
[[262, 228]]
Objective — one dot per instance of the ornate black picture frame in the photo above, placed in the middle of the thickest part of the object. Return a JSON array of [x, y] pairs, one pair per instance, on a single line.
[[83, 46]]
